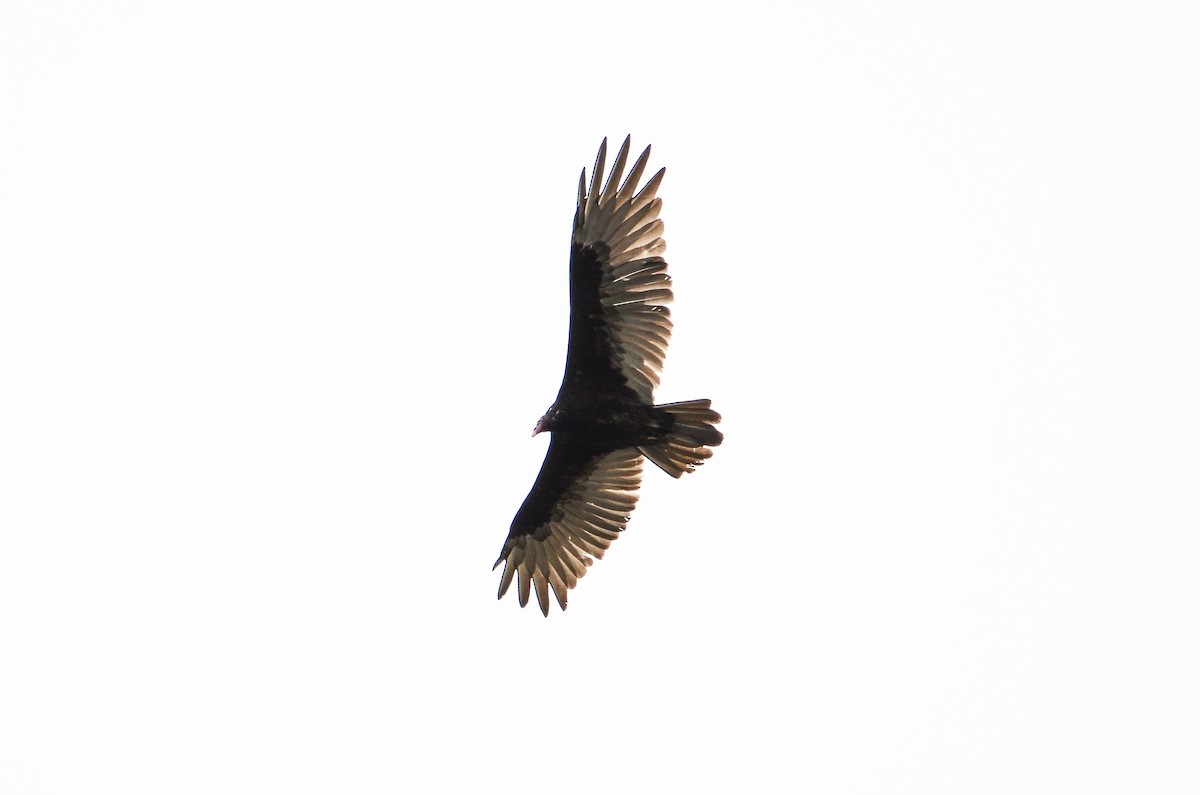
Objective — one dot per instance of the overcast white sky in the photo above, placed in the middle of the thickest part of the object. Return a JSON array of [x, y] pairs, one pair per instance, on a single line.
[[284, 291]]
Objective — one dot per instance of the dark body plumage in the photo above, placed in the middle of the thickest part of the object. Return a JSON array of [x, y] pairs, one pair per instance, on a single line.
[[604, 419]]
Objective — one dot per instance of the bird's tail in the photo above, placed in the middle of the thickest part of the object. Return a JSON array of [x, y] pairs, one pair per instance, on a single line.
[[692, 434]]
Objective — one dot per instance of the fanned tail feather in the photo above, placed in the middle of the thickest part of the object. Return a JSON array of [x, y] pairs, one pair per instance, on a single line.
[[688, 444]]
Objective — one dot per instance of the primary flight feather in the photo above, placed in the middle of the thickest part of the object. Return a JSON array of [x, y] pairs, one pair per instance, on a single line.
[[604, 419]]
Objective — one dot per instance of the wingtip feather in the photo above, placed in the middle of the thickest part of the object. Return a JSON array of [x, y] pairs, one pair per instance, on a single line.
[[593, 194], [618, 168], [635, 174]]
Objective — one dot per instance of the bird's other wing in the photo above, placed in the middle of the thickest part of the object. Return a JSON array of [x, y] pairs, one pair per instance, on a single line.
[[620, 324], [581, 499]]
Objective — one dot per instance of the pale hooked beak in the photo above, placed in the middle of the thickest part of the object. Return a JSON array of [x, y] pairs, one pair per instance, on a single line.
[[541, 426]]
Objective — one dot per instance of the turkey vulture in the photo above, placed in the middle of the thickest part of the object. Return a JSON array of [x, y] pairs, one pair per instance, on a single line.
[[604, 419]]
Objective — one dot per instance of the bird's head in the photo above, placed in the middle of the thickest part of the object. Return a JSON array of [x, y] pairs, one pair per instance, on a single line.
[[546, 423]]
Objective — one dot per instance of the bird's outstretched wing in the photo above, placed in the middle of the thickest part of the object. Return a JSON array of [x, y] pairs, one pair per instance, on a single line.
[[620, 324], [581, 499]]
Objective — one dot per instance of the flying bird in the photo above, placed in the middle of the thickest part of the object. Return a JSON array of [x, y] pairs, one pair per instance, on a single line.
[[604, 420]]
